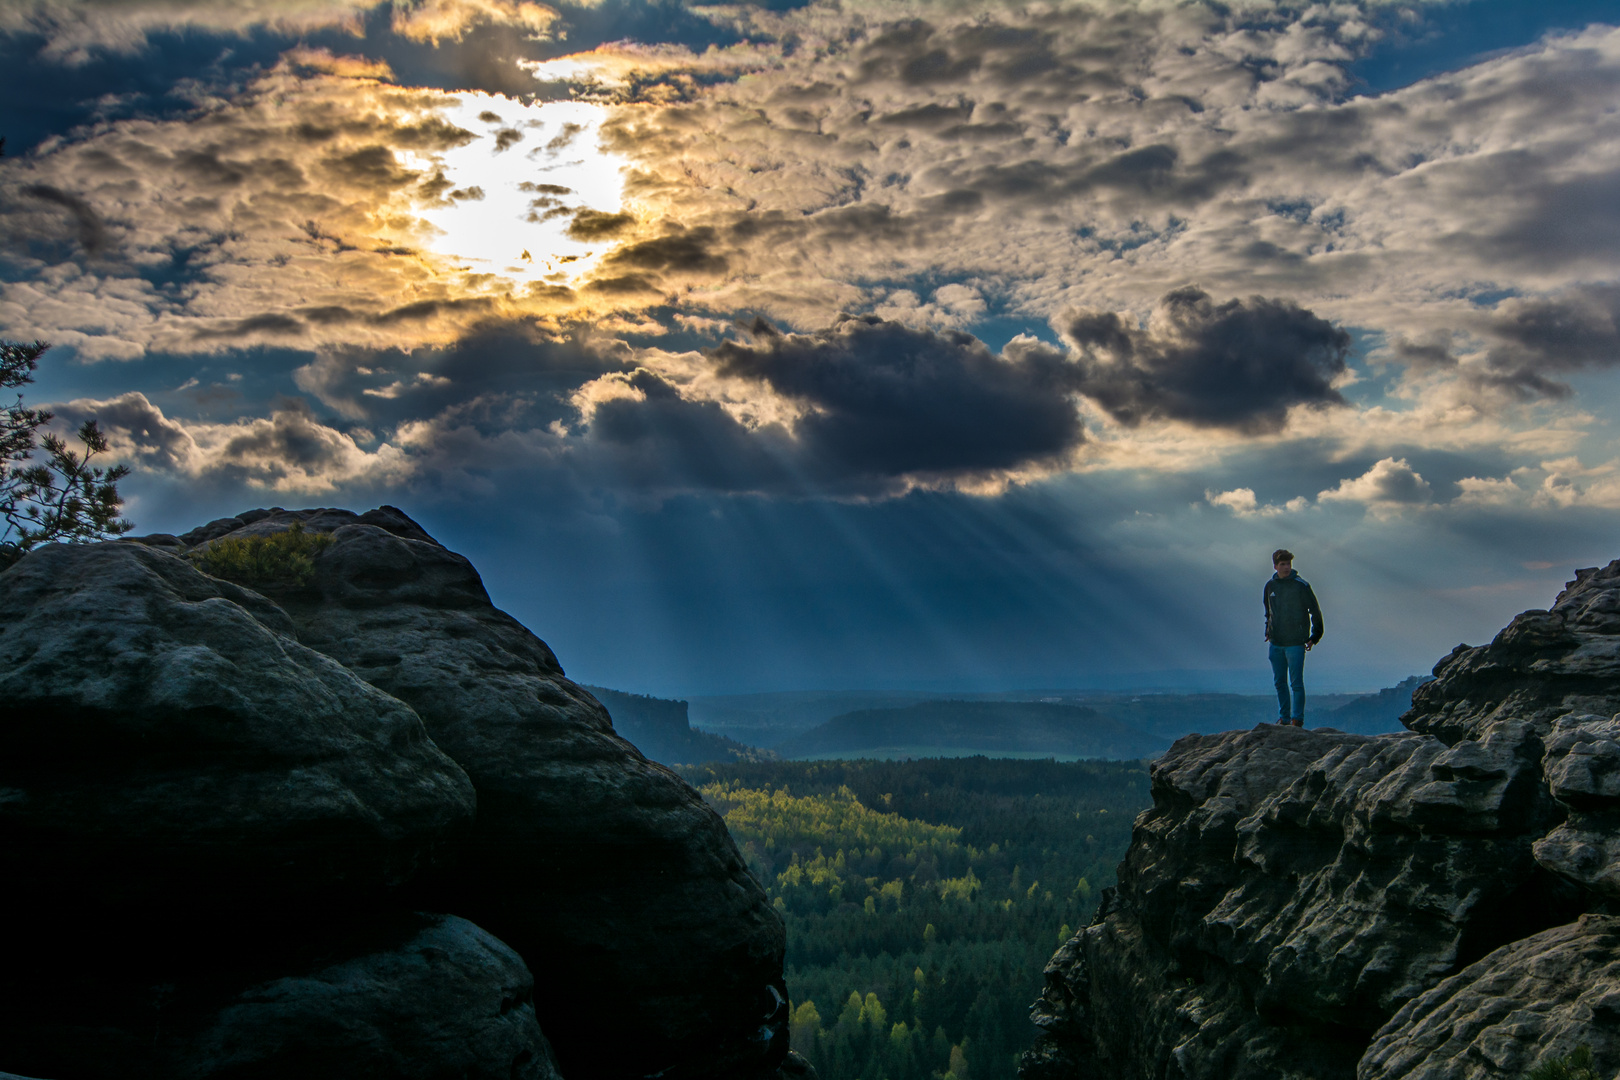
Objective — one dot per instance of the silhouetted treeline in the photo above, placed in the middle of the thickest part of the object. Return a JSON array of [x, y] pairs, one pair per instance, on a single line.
[[923, 898]]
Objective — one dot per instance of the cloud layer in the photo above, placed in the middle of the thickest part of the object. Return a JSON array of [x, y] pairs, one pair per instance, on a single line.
[[1211, 246]]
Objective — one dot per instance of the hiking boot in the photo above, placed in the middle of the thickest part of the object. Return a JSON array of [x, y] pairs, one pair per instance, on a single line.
[[1284, 721], [1297, 723]]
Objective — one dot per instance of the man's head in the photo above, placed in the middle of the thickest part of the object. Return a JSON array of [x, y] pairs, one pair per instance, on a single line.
[[1282, 561]]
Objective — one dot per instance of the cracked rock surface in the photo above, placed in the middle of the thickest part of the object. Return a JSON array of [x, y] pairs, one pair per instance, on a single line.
[[1525, 1004]]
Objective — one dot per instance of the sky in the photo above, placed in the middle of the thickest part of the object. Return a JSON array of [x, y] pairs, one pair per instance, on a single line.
[[855, 344]]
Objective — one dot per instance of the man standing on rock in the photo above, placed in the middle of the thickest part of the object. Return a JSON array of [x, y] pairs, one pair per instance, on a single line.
[[1293, 625]]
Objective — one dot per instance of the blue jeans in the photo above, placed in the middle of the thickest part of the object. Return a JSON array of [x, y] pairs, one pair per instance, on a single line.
[[1288, 665]]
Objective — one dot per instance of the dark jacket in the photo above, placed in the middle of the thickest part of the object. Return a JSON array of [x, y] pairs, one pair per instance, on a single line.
[[1293, 616]]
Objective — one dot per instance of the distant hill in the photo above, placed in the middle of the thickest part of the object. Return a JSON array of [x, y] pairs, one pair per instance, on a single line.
[[1170, 716], [1375, 714], [773, 718], [984, 727], [659, 728], [767, 719]]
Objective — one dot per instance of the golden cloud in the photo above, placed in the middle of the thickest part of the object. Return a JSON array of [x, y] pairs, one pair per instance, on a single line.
[[438, 20]]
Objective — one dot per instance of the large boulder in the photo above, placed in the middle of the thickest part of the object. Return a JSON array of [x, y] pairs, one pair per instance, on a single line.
[[395, 997], [1524, 1005], [167, 744], [603, 869], [448, 1001]]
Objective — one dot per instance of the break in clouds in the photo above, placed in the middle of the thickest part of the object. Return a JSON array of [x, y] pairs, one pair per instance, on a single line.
[[859, 249]]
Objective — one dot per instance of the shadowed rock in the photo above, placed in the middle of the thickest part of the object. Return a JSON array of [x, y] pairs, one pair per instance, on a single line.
[[166, 742], [448, 1001], [1525, 1004], [604, 870], [394, 996]]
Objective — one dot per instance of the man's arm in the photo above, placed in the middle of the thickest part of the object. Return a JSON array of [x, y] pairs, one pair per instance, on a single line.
[[1316, 615], [1265, 602]]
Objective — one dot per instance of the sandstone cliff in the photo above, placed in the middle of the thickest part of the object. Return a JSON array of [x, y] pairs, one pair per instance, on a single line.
[[348, 826], [1437, 903]]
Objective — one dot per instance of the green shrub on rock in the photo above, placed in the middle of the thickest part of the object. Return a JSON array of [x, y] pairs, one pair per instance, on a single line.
[[284, 558], [1576, 1065]]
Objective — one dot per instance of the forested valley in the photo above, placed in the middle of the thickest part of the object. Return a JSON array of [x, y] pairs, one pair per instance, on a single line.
[[923, 898]]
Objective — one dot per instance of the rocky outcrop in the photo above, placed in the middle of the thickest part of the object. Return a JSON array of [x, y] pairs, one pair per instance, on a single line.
[[1310, 903], [1543, 665], [305, 747]]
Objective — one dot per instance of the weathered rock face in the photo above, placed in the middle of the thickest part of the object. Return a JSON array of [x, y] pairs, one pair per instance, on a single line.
[[1583, 773], [1294, 895], [1523, 1005], [164, 739], [299, 755], [1543, 665]]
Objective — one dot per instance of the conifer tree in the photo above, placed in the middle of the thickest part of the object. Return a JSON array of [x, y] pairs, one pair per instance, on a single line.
[[63, 498]]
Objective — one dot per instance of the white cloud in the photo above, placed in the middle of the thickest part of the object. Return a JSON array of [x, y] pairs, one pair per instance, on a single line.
[[1242, 502], [1485, 491], [1567, 483], [1391, 484], [289, 451], [436, 20]]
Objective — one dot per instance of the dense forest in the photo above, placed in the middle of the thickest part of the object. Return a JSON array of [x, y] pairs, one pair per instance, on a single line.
[[923, 898], [950, 728]]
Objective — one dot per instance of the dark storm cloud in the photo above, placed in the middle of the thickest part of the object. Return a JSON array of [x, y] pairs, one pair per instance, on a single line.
[[1240, 365], [292, 443], [1538, 337], [495, 363], [890, 400], [92, 231], [371, 167], [1430, 354], [1152, 174], [591, 225], [1562, 333], [271, 323], [661, 441], [137, 425], [684, 251]]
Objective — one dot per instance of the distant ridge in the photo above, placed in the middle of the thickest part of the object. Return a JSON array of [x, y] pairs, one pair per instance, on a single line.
[[660, 729], [985, 727]]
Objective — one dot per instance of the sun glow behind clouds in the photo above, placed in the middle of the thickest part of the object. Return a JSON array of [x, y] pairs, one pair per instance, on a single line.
[[513, 191]]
